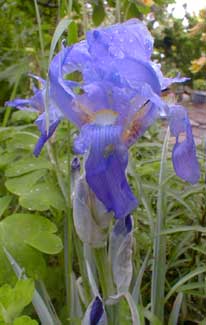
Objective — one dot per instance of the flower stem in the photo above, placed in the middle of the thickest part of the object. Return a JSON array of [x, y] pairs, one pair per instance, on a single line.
[[68, 247], [104, 271], [39, 28]]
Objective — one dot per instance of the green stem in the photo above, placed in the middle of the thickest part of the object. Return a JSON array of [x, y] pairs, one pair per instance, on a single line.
[[70, 3], [159, 244], [118, 11], [68, 247], [82, 269], [104, 271], [41, 41], [85, 21], [8, 109]]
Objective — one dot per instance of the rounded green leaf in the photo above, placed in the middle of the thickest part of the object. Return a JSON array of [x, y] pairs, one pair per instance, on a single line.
[[19, 233], [23, 184], [25, 320], [27, 165], [41, 197]]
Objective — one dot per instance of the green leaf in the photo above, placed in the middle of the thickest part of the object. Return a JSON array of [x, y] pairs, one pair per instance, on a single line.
[[143, 9], [183, 229], [19, 233], [22, 140], [159, 242], [72, 33], [27, 165], [98, 14], [41, 197], [49, 243], [4, 203], [184, 279], [22, 185], [23, 116], [6, 133], [61, 27], [175, 313], [13, 300], [46, 316], [25, 320]]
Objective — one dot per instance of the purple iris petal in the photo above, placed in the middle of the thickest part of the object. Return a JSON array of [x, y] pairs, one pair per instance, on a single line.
[[45, 136], [105, 167], [137, 72], [61, 90], [36, 104], [184, 153], [123, 226], [32, 104], [166, 82], [96, 311], [131, 39], [22, 104]]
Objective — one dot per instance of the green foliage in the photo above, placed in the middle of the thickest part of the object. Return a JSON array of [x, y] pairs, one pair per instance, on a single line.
[[25, 320], [27, 236], [199, 84], [14, 300], [175, 49], [98, 14]]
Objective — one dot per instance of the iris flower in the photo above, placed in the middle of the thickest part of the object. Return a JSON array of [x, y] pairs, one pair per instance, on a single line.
[[115, 98]]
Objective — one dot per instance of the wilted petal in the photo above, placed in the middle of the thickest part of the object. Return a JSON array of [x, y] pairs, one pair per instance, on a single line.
[[95, 313], [120, 250], [105, 167], [184, 153], [91, 219]]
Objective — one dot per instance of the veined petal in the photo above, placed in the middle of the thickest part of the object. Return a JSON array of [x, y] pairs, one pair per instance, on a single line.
[[144, 117], [105, 167], [141, 121], [184, 153]]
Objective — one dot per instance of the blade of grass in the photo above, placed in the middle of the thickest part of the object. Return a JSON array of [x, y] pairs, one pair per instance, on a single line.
[[118, 11], [183, 229], [174, 315], [39, 305], [136, 289], [184, 279], [141, 194], [38, 17], [8, 109], [159, 243], [133, 309]]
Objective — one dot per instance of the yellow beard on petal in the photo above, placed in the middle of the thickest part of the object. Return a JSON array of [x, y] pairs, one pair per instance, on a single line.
[[105, 117]]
